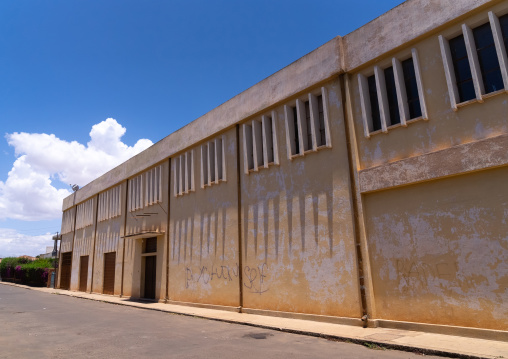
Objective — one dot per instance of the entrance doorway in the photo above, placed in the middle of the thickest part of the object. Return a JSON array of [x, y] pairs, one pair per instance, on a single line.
[[109, 273], [83, 273], [65, 271], [150, 271]]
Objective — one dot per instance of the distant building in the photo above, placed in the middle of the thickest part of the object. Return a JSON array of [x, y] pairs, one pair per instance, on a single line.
[[368, 179], [49, 253]]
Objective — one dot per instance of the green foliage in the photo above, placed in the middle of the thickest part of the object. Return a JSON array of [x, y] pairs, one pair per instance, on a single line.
[[25, 271]]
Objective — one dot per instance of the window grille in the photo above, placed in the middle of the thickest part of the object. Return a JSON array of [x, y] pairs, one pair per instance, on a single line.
[[260, 144], [84, 214], [136, 193], [475, 62], [307, 124], [392, 96], [68, 220], [109, 204], [183, 169], [213, 162]]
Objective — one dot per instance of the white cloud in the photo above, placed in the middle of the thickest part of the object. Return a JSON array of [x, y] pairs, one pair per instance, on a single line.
[[14, 244], [29, 194]]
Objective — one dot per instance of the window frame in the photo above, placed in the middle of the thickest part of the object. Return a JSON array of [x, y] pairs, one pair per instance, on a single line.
[[183, 171], [258, 135], [382, 97], [467, 31], [213, 172], [110, 204], [302, 131]]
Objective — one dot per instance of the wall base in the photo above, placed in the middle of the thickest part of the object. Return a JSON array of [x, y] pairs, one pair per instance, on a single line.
[[488, 334], [203, 305]]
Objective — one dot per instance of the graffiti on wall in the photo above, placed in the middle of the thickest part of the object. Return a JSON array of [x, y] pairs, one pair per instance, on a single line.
[[205, 275], [418, 273], [254, 278]]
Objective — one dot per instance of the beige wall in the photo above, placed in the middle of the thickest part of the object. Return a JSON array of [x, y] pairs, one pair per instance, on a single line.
[[150, 218], [439, 251], [427, 203], [109, 238], [297, 230], [445, 127], [83, 246], [203, 229], [65, 246]]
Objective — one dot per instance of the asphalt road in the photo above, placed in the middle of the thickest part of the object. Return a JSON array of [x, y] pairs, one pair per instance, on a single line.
[[40, 325]]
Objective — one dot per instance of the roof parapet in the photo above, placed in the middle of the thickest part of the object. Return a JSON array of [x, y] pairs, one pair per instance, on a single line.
[[402, 24], [317, 66]]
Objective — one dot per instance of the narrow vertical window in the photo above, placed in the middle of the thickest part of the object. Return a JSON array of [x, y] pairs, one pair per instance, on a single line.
[[248, 150], [487, 57], [204, 165], [296, 133], [220, 159], [181, 172], [413, 97], [154, 186], [461, 68], [268, 136], [391, 92], [211, 162], [321, 136], [177, 175], [257, 143], [374, 103], [308, 127], [190, 170], [185, 173]]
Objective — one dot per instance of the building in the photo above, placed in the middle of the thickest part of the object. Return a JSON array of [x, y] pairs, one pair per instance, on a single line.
[[363, 185], [49, 253]]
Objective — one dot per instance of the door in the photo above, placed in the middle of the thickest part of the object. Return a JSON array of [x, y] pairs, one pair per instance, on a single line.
[[109, 273], [65, 271], [83, 273], [150, 265]]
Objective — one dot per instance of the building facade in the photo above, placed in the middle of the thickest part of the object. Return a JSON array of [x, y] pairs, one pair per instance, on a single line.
[[363, 185]]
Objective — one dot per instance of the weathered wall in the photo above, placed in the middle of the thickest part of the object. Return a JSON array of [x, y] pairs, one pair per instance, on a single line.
[[83, 246], [445, 127], [150, 218], [203, 227], [439, 251], [65, 246], [109, 238], [430, 198], [437, 248], [297, 230], [405, 23]]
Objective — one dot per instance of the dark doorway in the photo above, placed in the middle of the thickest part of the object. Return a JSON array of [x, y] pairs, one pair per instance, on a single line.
[[83, 273], [109, 273], [150, 265], [65, 271]]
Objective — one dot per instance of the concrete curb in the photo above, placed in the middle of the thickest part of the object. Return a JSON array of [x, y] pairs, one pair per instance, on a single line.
[[253, 321]]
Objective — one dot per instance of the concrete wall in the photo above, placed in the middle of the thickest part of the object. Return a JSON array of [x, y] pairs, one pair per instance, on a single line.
[[407, 225], [110, 234], [149, 219], [83, 246], [440, 251], [434, 208], [203, 228], [297, 227]]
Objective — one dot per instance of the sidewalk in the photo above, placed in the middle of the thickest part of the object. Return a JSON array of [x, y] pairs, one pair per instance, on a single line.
[[425, 343]]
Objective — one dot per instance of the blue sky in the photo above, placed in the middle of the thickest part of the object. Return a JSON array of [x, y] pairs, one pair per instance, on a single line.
[[153, 66]]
